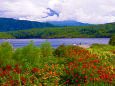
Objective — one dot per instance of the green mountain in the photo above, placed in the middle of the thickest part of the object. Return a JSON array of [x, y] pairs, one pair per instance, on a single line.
[[9, 24], [102, 31]]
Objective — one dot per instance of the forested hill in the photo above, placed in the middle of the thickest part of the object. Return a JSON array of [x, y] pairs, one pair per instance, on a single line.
[[103, 31], [9, 24]]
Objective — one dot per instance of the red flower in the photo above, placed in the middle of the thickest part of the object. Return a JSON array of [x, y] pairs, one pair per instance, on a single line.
[[5, 85], [4, 73], [23, 80], [34, 70], [110, 81], [91, 74], [17, 70], [96, 79], [8, 67], [85, 77], [76, 80], [90, 79], [86, 81], [76, 75], [72, 72], [67, 81]]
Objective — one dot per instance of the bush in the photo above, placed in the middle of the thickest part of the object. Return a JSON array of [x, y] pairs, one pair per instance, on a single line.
[[30, 54], [6, 51], [112, 40], [46, 49], [59, 51], [97, 45]]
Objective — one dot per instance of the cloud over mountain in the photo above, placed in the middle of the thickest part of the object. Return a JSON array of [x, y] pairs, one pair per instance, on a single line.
[[86, 11]]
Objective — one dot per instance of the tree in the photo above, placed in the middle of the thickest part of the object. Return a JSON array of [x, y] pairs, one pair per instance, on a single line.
[[112, 40]]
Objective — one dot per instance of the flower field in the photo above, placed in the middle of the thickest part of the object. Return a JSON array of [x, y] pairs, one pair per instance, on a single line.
[[64, 66]]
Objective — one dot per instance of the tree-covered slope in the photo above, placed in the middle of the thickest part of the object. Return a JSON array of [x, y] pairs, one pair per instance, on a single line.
[[9, 24], [4, 35], [105, 30]]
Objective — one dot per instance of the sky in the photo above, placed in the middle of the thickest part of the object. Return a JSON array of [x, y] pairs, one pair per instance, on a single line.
[[85, 11]]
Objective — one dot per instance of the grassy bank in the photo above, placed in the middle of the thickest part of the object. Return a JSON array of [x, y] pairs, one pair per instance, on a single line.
[[64, 66]]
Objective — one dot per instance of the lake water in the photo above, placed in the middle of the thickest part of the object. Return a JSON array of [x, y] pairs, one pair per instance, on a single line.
[[19, 43]]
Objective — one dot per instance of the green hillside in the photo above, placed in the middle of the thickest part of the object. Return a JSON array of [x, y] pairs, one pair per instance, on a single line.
[[9, 24], [104, 31]]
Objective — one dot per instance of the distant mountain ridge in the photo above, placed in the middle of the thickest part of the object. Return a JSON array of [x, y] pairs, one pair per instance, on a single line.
[[10, 24], [68, 23]]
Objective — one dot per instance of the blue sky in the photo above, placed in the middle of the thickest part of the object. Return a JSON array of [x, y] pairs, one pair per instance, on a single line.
[[86, 11]]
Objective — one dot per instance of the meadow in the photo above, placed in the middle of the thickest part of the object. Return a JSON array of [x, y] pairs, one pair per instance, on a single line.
[[64, 66]]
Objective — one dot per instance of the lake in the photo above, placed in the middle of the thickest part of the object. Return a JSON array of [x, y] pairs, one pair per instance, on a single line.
[[19, 43]]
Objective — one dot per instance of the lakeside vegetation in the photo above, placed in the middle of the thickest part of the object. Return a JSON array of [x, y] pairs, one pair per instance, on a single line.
[[65, 66], [91, 31]]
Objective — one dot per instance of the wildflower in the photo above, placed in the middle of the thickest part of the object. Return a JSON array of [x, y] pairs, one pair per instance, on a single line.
[[76, 80], [86, 81], [34, 70], [17, 70], [23, 80], [5, 85], [45, 83], [8, 67], [67, 81], [110, 81], [90, 79], [85, 77], [45, 78], [91, 74], [79, 85], [40, 84]]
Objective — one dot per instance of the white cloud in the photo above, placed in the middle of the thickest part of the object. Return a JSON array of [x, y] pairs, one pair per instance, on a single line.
[[87, 11]]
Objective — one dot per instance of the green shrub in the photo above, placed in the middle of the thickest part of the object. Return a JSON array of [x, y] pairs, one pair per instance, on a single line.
[[28, 54], [6, 52], [97, 45], [112, 40], [59, 51], [46, 49]]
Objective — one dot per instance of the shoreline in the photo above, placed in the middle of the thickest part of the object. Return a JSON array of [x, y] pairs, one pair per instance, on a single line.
[[52, 38], [83, 46]]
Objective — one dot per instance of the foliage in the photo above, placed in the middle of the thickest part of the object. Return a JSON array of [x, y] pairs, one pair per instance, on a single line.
[[46, 49], [107, 53], [69, 66], [6, 51], [112, 40], [4, 35], [105, 30], [59, 51], [97, 45], [27, 29], [28, 54]]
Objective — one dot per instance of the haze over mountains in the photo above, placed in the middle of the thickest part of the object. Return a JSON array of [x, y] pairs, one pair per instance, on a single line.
[[68, 23]]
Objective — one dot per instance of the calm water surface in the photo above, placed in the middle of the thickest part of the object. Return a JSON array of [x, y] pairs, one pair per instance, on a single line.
[[19, 43]]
